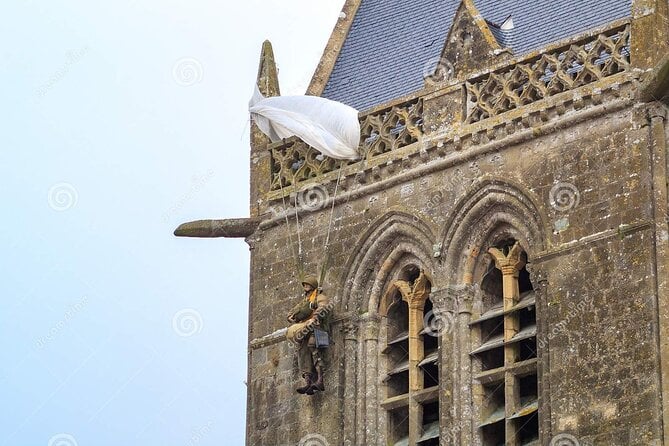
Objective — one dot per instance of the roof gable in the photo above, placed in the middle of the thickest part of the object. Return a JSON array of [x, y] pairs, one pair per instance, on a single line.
[[470, 44], [390, 43]]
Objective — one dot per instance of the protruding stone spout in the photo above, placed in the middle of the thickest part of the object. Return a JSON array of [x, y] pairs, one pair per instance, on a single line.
[[229, 227]]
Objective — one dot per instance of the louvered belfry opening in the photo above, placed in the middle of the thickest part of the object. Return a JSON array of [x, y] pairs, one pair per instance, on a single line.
[[411, 351], [428, 394], [397, 351], [505, 357]]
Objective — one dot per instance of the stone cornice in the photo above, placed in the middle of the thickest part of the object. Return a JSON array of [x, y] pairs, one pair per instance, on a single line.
[[400, 136], [440, 153], [575, 245]]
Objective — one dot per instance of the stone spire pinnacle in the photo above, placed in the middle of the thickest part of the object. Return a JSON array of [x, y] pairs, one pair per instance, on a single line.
[[268, 78], [268, 84]]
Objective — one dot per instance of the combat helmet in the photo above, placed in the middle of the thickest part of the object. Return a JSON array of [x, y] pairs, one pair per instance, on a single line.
[[311, 279]]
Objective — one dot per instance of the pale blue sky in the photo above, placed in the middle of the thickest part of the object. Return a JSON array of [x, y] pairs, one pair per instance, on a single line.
[[113, 331]]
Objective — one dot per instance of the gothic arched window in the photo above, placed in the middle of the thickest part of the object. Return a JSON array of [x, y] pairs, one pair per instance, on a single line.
[[411, 398], [505, 357]]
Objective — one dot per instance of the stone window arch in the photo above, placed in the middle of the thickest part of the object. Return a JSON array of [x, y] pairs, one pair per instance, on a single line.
[[410, 350], [504, 356], [383, 254]]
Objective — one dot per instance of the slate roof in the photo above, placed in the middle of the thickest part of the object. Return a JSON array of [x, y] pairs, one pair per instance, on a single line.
[[390, 42]]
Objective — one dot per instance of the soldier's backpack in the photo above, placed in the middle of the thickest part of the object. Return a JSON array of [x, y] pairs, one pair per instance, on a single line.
[[322, 338]]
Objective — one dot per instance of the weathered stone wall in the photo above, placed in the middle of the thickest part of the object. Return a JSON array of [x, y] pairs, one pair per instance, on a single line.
[[572, 164], [601, 376], [598, 336]]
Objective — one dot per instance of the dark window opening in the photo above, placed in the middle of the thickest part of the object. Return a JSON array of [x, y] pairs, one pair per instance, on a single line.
[[430, 339], [492, 359], [399, 424], [527, 429], [398, 319], [527, 317], [430, 413], [493, 435], [493, 403], [398, 384], [492, 329], [397, 361], [528, 349], [528, 389], [430, 429], [505, 245], [410, 273], [397, 350], [430, 375], [491, 286], [427, 308], [524, 283], [431, 343]]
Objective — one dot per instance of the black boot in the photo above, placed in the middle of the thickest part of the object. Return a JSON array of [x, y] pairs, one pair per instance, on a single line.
[[318, 384], [309, 378]]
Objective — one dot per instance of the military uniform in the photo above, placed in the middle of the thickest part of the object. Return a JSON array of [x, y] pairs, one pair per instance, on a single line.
[[310, 313]]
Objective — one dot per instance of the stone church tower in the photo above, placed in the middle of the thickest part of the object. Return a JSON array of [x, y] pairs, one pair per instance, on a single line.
[[499, 258]]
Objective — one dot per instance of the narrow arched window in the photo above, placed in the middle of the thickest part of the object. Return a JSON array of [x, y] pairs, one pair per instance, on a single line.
[[505, 357], [411, 350]]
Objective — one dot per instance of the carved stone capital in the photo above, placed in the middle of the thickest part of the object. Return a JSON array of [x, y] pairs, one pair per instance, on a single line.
[[370, 326], [440, 299], [657, 110], [462, 297], [350, 330], [509, 263]]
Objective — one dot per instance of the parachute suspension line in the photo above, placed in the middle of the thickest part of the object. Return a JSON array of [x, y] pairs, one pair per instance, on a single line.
[[290, 238], [334, 199], [300, 260], [247, 125], [326, 247]]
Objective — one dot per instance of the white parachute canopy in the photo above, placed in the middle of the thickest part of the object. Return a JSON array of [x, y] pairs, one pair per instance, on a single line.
[[328, 126]]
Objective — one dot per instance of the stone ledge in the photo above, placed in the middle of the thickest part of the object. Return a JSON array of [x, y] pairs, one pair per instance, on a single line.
[[574, 245]]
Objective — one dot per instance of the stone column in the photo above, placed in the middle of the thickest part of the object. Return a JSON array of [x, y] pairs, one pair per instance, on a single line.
[[463, 300], [370, 336], [416, 355], [416, 303], [350, 391], [463, 297], [657, 117], [443, 305], [360, 406], [510, 265]]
